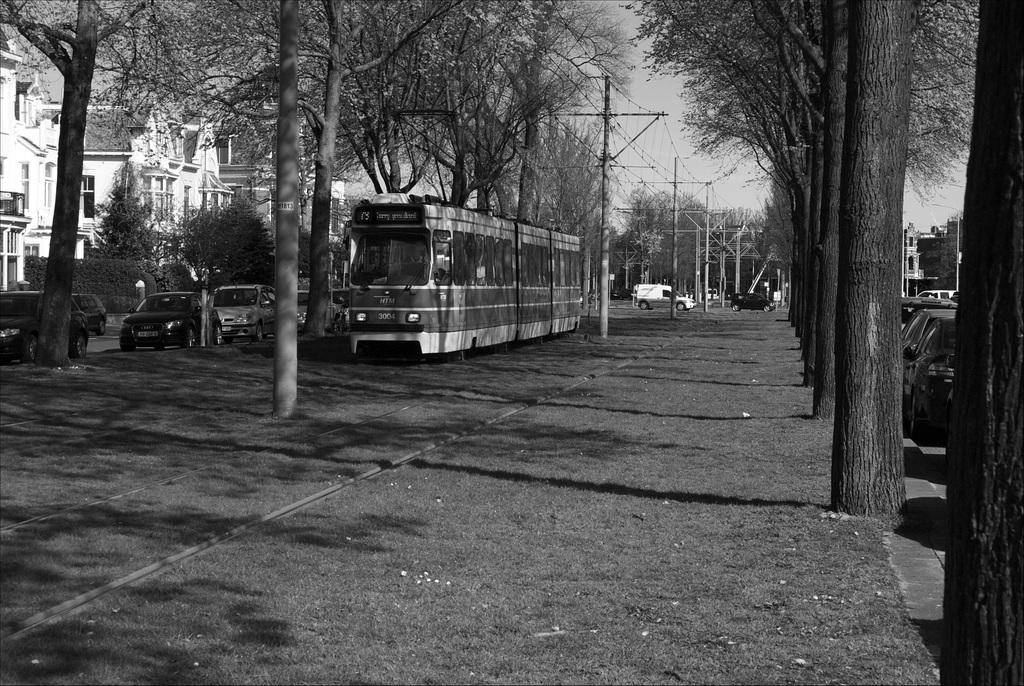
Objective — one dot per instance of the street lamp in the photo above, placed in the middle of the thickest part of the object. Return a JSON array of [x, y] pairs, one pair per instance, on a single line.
[[959, 214]]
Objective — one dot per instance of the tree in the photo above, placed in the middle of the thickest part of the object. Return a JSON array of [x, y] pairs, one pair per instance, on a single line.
[[983, 604], [70, 41], [125, 229], [568, 182], [745, 110], [228, 245], [833, 95], [650, 216], [867, 450]]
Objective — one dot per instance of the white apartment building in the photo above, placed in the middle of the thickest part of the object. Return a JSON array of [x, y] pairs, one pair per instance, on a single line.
[[28, 164], [179, 163]]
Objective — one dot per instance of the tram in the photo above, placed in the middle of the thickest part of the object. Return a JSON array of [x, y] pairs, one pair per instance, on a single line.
[[430, 279]]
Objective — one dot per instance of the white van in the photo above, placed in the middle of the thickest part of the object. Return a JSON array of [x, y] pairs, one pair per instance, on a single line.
[[945, 295], [646, 295]]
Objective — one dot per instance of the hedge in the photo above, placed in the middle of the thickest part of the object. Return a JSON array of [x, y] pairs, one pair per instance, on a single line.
[[112, 280]]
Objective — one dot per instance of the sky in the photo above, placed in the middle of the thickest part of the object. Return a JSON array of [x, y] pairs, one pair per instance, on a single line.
[[734, 185]]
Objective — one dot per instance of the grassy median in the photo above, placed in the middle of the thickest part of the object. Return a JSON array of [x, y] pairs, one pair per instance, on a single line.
[[662, 522]]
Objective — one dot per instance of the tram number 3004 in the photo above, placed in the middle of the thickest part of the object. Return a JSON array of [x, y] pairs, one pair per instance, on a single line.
[[385, 315]]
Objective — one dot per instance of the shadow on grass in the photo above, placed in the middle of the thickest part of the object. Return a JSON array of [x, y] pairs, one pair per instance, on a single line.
[[612, 489]]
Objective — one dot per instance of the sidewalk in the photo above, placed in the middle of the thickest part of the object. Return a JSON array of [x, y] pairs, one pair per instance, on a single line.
[[918, 548]]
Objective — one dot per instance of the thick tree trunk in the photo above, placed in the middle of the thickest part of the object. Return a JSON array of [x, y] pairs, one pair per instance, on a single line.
[[813, 219], [318, 309], [803, 284], [834, 108], [984, 599], [53, 332], [867, 457]]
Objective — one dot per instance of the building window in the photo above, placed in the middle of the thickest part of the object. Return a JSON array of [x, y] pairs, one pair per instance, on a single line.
[[87, 206], [157, 190], [224, 150], [25, 184], [31, 251], [49, 184]]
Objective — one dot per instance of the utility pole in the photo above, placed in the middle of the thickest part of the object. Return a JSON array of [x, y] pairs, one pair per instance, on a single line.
[[606, 206], [287, 264], [673, 282], [707, 242], [606, 203]]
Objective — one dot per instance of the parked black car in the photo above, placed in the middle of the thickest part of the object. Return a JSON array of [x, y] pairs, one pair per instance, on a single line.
[[162, 319], [751, 301], [914, 328], [928, 378], [909, 306], [95, 311], [20, 316]]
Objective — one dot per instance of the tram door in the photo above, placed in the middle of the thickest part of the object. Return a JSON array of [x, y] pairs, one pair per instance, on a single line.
[[449, 299]]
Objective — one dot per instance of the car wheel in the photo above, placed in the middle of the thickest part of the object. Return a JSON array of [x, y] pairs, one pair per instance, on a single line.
[[227, 339], [190, 338], [78, 348], [258, 336], [644, 305], [767, 308], [735, 308], [31, 348], [102, 328], [681, 307]]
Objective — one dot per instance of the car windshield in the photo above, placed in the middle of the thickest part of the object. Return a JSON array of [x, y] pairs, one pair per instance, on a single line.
[[235, 297], [164, 303], [18, 305]]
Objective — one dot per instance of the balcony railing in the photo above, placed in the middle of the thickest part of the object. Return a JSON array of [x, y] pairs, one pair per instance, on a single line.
[[12, 203]]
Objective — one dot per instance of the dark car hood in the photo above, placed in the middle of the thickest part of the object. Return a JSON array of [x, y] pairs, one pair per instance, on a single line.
[[160, 317], [16, 321]]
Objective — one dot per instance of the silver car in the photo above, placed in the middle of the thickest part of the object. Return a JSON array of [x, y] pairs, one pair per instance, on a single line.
[[245, 310]]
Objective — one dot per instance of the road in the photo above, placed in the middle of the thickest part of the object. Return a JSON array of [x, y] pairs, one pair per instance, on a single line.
[[109, 344]]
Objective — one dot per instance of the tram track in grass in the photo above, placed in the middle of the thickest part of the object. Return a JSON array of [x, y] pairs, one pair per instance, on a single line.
[[12, 630], [175, 477]]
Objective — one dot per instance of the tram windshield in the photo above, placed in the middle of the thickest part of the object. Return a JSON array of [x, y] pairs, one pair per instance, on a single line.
[[391, 260]]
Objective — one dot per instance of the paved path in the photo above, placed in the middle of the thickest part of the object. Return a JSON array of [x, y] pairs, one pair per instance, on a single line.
[[919, 547]]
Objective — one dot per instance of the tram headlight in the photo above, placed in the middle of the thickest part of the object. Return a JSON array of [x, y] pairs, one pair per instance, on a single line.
[[412, 317], [360, 316]]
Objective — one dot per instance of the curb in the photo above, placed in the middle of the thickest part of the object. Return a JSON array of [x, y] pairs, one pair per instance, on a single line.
[[917, 549]]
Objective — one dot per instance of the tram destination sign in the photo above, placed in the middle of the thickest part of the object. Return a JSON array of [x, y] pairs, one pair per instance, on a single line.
[[387, 214]]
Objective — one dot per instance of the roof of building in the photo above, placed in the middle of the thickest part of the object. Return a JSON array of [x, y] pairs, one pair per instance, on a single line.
[[106, 130]]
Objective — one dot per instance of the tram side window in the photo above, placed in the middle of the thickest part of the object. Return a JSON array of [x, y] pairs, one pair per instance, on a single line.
[[459, 258], [442, 261], [499, 270], [525, 265], [472, 256], [545, 274], [488, 261], [481, 260], [506, 261], [534, 265]]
